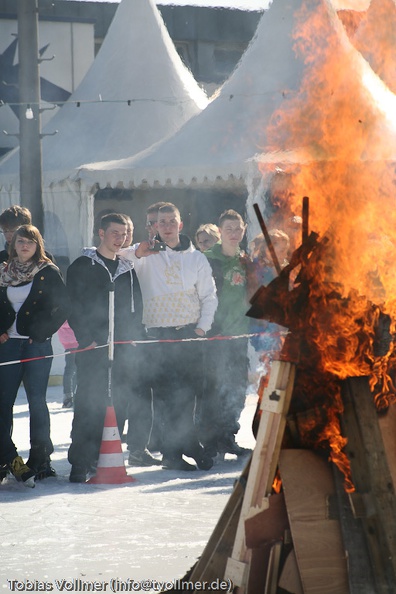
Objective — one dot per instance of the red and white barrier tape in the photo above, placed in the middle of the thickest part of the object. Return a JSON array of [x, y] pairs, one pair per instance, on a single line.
[[152, 341]]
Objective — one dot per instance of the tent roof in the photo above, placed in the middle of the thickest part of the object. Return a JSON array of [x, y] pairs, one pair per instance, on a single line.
[[137, 63], [375, 38], [225, 140]]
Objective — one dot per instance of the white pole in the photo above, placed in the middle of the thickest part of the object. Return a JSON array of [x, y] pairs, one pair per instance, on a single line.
[[111, 335]]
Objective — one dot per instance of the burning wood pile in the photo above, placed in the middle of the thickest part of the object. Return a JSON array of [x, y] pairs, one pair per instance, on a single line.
[[315, 509], [342, 346]]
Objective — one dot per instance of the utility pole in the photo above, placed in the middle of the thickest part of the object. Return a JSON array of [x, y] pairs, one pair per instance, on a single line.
[[30, 164]]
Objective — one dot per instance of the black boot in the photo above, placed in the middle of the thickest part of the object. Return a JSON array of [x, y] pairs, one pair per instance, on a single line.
[[40, 461]]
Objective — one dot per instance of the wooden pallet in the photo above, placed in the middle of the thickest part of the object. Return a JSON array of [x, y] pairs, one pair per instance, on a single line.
[[274, 408]]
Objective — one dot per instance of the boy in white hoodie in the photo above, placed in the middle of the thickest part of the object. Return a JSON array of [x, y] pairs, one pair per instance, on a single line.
[[179, 303]]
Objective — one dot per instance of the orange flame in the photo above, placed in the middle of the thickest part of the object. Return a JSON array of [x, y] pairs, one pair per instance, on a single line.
[[337, 135]]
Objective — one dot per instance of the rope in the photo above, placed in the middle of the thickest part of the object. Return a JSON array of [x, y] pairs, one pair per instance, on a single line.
[[137, 342]]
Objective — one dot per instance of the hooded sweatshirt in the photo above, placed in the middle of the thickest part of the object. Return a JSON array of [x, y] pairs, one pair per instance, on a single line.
[[88, 285], [177, 286]]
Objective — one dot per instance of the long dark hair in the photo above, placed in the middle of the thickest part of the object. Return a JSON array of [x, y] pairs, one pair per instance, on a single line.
[[29, 232]]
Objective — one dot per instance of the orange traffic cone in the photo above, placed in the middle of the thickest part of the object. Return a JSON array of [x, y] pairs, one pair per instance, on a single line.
[[111, 469]]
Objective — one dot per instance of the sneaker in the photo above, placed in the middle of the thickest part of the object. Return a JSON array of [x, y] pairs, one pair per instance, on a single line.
[[143, 458], [45, 471], [177, 464], [78, 474], [22, 472], [40, 462], [3, 473]]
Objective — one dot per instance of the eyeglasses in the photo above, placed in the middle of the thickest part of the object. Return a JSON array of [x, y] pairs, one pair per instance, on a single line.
[[150, 223]]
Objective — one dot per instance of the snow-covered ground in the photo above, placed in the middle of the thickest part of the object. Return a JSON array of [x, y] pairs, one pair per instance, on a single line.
[[154, 528]]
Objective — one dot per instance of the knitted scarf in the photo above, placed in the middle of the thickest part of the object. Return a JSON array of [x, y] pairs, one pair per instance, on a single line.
[[17, 273]]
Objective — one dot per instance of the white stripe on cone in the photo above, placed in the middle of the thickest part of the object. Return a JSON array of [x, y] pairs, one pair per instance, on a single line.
[[110, 434], [111, 461]]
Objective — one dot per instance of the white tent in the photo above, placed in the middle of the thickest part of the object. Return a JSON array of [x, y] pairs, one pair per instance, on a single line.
[[375, 38], [136, 92], [225, 140]]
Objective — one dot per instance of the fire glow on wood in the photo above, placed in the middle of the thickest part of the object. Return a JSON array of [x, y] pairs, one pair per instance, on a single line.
[[339, 135]]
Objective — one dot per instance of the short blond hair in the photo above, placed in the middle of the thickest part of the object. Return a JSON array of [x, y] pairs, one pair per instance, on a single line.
[[210, 229]]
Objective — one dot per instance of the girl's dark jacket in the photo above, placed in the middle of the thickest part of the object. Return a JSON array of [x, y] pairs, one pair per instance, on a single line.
[[88, 283], [44, 310]]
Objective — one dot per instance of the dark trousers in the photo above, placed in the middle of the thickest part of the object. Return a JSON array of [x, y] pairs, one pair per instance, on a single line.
[[176, 379], [8, 450], [34, 375], [224, 390], [132, 398], [70, 374], [93, 396]]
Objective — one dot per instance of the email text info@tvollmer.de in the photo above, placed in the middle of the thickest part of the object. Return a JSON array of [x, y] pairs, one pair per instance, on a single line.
[[116, 585]]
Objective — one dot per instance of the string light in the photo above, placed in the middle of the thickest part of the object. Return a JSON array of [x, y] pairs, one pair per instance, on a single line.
[[29, 113], [169, 100], [80, 102]]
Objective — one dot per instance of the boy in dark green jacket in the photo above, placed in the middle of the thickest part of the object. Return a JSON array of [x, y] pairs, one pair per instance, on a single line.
[[227, 363]]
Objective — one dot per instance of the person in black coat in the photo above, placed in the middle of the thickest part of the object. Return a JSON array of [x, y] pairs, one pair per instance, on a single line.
[[33, 305], [89, 281]]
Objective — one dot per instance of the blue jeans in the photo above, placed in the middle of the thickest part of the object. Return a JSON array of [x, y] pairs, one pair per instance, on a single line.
[[70, 374], [34, 375]]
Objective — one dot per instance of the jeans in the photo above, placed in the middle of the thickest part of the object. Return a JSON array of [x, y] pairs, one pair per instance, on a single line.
[[34, 375], [70, 374]]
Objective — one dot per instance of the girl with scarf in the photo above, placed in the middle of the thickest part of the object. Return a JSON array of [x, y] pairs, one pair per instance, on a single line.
[[33, 305]]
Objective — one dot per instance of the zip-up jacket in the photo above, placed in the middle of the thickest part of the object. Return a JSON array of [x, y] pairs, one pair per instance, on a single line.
[[88, 284]]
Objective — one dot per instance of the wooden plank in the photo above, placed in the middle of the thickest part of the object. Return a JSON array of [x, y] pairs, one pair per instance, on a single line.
[[268, 525], [360, 573], [372, 479], [271, 583], [289, 579], [387, 425], [274, 407], [213, 560], [307, 482], [262, 531]]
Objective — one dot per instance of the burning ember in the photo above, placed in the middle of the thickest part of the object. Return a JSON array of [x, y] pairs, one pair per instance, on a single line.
[[338, 134]]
